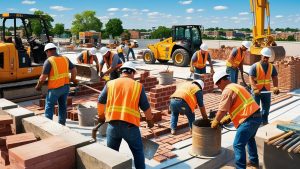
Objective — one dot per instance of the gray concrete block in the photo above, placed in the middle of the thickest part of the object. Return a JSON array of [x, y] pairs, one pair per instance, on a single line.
[[76, 139], [96, 156], [6, 104], [18, 114]]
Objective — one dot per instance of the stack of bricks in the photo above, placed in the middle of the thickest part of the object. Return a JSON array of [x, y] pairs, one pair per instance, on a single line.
[[81, 90], [221, 53], [208, 82], [4, 160], [288, 73], [148, 81], [51, 153], [159, 96], [5, 125]]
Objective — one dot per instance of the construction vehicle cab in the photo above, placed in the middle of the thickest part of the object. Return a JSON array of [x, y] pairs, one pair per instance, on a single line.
[[185, 40], [21, 60]]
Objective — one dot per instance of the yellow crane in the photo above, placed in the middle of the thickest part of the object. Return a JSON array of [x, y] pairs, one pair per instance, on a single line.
[[261, 38]]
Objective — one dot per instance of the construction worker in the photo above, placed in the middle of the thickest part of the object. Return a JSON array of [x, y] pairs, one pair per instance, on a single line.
[[88, 57], [184, 101], [235, 61], [130, 50], [120, 51], [122, 112], [112, 61], [56, 69], [198, 61], [245, 115], [260, 76]]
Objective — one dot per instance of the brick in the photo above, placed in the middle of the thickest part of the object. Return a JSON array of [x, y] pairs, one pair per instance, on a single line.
[[19, 139], [156, 115], [160, 158], [170, 155], [4, 158], [5, 119]]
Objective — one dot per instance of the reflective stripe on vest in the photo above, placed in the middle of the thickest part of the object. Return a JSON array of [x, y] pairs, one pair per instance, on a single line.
[[236, 60], [59, 73], [263, 79], [201, 63], [109, 63], [244, 105], [123, 101], [85, 58], [187, 92]]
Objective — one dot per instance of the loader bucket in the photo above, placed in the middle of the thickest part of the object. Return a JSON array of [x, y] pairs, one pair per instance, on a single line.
[[87, 72]]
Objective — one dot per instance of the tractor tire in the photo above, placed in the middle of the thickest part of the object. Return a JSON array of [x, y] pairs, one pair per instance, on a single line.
[[181, 57], [148, 57], [163, 61]]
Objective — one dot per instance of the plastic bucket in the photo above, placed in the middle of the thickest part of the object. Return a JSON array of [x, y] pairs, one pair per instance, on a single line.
[[86, 115], [165, 77]]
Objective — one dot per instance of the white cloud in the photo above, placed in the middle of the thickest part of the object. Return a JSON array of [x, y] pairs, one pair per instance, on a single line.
[[234, 18], [27, 2], [33, 9], [185, 2], [219, 8], [11, 9], [190, 10], [60, 8], [53, 16], [152, 14], [125, 9], [145, 10], [278, 16], [126, 15], [243, 13], [214, 21], [200, 10], [113, 9], [111, 14], [188, 18]]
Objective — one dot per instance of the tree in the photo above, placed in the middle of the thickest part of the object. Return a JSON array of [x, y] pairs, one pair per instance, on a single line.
[[37, 28], [58, 29], [114, 27], [161, 32], [86, 21], [291, 38]]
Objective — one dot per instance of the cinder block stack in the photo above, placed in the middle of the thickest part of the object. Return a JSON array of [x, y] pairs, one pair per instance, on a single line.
[[5, 125], [159, 96], [50, 153]]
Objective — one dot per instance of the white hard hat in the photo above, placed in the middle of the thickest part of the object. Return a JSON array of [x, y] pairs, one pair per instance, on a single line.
[[200, 82], [93, 51], [204, 47], [49, 46], [219, 75], [104, 50], [135, 41], [266, 52], [128, 65], [247, 44]]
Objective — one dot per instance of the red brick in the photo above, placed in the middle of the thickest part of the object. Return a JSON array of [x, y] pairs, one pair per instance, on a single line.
[[160, 158], [5, 119], [170, 155], [19, 139]]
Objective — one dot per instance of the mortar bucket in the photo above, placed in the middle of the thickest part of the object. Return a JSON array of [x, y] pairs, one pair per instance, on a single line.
[[86, 115], [165, 77], [206, 142]]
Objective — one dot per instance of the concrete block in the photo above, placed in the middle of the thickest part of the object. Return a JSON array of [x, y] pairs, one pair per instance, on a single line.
[[17, 115], [96, 156], [6, 104]]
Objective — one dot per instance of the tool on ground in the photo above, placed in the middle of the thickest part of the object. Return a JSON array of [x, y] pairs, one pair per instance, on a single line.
[[150, 147]]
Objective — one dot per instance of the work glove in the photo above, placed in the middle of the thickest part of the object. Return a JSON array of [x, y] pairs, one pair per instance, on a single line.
[[150, 123], [225, 120], [214, 124], [38, 88], [276, 90], [192, 69], [256, 92], [75, 81]]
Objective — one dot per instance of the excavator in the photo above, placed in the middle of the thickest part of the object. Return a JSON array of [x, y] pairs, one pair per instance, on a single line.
[[261, 11], [21, 62]]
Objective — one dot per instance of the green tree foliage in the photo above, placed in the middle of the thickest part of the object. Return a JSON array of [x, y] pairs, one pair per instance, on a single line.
[[126, 35], [86, 21], [58, 29], [114, 27], [161, 32], [37, 28], [291, 38]]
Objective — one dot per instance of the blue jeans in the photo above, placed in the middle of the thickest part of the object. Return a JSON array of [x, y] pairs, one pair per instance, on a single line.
[[177, 106], [57, 95], [265, 99], [118, 130], [245, 135], [130, 51], [121, 56], [233, 74], [199, 71]]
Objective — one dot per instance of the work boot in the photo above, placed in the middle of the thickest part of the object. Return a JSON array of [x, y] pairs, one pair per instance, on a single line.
[[252, 165], [173, 131]]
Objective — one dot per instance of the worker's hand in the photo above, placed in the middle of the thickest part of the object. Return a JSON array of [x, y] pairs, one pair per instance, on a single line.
[[225, 120], [212, 71], [75, 81], [101, 74], [38, 87], [276, 90], [150, 123], [214, 124], [192, 69], [256, 92], [101, 120]]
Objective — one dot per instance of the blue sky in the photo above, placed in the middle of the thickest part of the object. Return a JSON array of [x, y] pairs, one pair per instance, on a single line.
[[152, 13]]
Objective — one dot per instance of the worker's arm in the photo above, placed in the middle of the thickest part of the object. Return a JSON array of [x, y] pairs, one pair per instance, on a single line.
[[145, 106], [211, 65], [73, 75], [44, 75], [101, 67], [97, 64], [101, 104], [113, 66], [194, 59], [80, 58], [199, 96]]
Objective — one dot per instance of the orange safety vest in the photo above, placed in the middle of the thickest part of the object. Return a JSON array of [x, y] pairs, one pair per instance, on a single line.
[[123, 101], [120, 49], [109, 62], [59, 73], [244, 105], [200, 63], [237, 59], [187, 92], [85, 58], [263, 79]]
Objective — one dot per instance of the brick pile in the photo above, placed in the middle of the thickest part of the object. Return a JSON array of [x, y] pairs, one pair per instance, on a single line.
[[221, 53], [5, 125], [288, 73], [81, 90], [4, 159], [51, 153], [159, 96]]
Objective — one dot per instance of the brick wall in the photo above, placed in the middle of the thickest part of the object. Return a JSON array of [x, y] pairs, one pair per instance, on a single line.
[[159, 96], [208, 82], [147, 80], [220, 54]]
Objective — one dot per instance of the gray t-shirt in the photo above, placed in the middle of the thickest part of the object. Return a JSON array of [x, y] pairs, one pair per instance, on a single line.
[[194, 57], [116, 60], [47, 66]]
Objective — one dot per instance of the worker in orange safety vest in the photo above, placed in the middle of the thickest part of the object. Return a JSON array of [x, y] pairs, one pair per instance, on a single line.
[[56, 69], [112, 61], [244, 112], [124, 97], [88, 57]]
